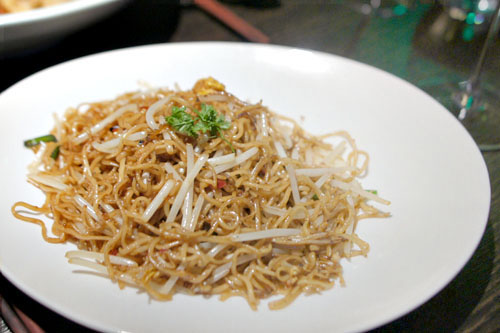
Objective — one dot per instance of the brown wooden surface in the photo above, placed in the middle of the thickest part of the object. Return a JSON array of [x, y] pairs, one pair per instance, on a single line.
[[400, 45]]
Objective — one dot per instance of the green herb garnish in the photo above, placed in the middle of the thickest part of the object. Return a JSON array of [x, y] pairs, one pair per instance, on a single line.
[[207, 120], [211, 121], [315, 197], [373, 191], [36, 141], [55, 152], [182, 121]]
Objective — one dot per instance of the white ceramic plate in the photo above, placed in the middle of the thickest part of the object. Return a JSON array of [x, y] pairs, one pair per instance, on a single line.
[[31, 29], [421, 159]]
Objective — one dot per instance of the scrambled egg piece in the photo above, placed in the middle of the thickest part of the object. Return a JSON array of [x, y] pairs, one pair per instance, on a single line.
[[208, 86]]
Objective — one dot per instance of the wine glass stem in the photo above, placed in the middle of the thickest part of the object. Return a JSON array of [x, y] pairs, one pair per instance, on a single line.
[[474, 78]]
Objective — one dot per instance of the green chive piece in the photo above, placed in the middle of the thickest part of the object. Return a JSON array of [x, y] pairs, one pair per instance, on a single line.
[[55, 152], [36, 141]]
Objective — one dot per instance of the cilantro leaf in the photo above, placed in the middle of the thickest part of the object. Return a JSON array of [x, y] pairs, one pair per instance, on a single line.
[[210, 121], [207, 120], [182, 122]]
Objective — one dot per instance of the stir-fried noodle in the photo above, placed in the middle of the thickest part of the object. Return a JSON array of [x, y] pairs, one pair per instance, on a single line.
[[156, 195]]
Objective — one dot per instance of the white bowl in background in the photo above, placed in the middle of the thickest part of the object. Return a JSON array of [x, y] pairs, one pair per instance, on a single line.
[[25, 31]]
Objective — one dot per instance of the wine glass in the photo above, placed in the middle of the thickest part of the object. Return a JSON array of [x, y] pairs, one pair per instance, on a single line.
[[475, 104]]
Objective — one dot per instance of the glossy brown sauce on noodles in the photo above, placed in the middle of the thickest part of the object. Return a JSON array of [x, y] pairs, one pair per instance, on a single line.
[[271, 210]]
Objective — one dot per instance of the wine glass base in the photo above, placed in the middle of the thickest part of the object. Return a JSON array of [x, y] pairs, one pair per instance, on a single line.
[[478, 110]]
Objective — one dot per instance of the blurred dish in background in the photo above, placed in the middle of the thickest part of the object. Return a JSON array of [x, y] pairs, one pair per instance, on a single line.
[[12, 6], [26, 31]]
